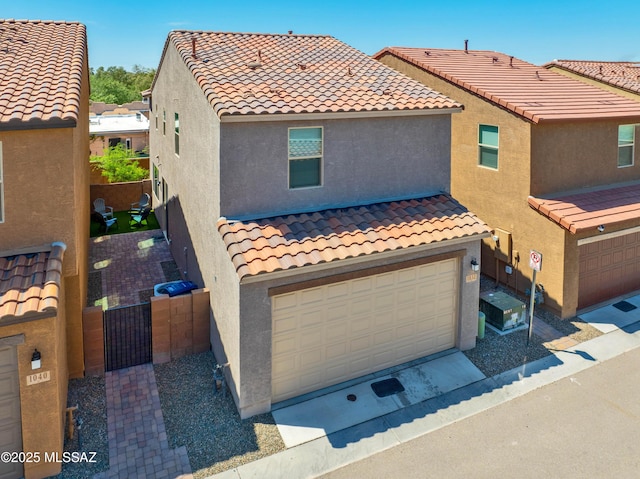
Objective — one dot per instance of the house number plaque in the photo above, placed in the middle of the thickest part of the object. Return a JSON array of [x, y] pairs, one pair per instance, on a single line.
[[40, 377]]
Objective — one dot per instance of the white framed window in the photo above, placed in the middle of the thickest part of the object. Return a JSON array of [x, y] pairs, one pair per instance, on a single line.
[[176, 130], [164, 122], [305, 157], [488, 146], [1, 188], [626, 141]]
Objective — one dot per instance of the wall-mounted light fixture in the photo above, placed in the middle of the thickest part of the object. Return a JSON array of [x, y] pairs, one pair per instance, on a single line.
[[36, 358], [474, 265], [601, 228]]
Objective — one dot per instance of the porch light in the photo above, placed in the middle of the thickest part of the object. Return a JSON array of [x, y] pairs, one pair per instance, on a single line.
[[474, 265], [601, 228], [36, 359]]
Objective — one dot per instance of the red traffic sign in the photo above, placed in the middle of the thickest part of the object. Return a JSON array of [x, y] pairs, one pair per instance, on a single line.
[[535, 260]]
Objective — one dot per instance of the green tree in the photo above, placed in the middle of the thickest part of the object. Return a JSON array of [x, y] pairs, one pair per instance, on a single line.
[[117, 85], [117, 165]]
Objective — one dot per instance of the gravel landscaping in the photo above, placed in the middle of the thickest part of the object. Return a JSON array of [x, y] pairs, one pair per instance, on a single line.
[[89, 395], [207, 422]]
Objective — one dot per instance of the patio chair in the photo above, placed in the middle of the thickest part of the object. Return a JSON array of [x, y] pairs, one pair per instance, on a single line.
[[138, 218], [139, 206], [100, 207], [105, 222]]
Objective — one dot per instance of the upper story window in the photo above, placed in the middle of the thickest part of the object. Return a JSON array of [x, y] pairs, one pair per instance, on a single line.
[[305, 157], [164, 122], [626, 139], [176, 129], [156, 117], [1, 188], [488, 146]]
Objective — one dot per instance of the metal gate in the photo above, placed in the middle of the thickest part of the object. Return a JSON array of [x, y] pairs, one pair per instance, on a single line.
[[127, 336]]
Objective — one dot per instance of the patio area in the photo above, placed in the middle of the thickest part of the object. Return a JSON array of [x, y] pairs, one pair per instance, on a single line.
[[123, 268]]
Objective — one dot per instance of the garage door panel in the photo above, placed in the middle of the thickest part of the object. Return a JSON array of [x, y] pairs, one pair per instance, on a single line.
[[367, 324], [10, 418]]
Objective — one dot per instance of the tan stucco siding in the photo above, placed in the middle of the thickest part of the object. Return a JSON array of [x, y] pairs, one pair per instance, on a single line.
[[43, 404], [578, 155]]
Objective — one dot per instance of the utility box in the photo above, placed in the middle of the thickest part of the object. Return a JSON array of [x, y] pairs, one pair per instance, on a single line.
[[503, 311]]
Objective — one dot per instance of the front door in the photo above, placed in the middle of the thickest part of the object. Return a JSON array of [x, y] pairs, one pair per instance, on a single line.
[[10, 422]]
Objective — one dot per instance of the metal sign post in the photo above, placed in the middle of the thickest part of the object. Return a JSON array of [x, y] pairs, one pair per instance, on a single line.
[[535, 263]]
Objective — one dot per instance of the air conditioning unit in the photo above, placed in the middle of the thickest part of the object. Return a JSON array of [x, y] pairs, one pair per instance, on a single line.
[[503, 311]]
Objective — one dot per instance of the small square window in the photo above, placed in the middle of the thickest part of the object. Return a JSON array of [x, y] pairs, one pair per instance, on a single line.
[[176, 128], [305, 157], [488, 146]]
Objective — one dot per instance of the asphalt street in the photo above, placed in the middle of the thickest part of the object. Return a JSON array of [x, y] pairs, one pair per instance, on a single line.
[[584, 426]]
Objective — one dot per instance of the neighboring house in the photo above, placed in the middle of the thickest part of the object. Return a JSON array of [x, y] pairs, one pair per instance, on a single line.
[[128, 129], [620, 77], [550, 163], [306, 186], [44, 226], [102, 108]]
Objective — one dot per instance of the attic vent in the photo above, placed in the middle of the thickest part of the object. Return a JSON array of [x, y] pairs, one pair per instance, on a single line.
[[538, 75], [257, 63], [494, 59], [387, 92], [301, 66], [349, 72], [427, 53]]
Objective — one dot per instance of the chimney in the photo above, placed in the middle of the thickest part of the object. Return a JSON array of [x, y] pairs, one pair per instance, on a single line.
[[466, 46]]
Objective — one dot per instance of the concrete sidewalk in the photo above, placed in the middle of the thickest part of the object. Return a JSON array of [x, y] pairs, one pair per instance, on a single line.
[[337, 449]]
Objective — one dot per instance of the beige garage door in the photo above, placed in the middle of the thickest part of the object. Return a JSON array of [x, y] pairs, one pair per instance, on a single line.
[[10, 426], [609, 268], [340, 331]]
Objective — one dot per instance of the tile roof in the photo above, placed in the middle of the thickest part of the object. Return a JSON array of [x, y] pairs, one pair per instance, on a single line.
[[583, 211], [625, 75], [532, 92], [254, 74], [30, 284], [293, 241], [41, 68]]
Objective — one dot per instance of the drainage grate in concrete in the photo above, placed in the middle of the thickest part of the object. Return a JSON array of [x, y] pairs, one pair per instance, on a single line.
[[624, 306], [387, 387]]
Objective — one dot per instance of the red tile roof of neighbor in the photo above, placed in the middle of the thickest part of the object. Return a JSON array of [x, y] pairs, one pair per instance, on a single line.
[[284, 242], [625, 75], [30, 284], [532, 92], [41, 68], [254, 74], [584, 211]]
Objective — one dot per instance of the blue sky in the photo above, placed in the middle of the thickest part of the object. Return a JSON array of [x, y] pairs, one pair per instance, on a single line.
[[124, 33]]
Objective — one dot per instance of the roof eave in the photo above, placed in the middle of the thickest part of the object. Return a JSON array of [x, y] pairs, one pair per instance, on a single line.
[[339, 115]]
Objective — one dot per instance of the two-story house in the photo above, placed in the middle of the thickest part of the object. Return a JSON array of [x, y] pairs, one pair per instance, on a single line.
[[44, 230], [307, 186], [550, 163]]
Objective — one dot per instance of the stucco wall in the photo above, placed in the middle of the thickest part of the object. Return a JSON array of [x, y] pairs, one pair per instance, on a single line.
[[578, 155], [255, 316], [42, 405], [364, 160]]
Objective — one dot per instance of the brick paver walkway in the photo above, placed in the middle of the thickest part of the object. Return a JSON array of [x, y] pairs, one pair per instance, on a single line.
[[129, 263], [138, 446], [553, 339]]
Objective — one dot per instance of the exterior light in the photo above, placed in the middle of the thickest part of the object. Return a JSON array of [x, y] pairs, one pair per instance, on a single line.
[[474, 265], [36, 359], [601, 228]]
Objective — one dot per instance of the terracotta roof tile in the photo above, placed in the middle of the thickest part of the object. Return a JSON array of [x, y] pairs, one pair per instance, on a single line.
[[352, 232], [41, 67], [253, 74], [584, 211], [625, 75], [30, 284], [532, 92]]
